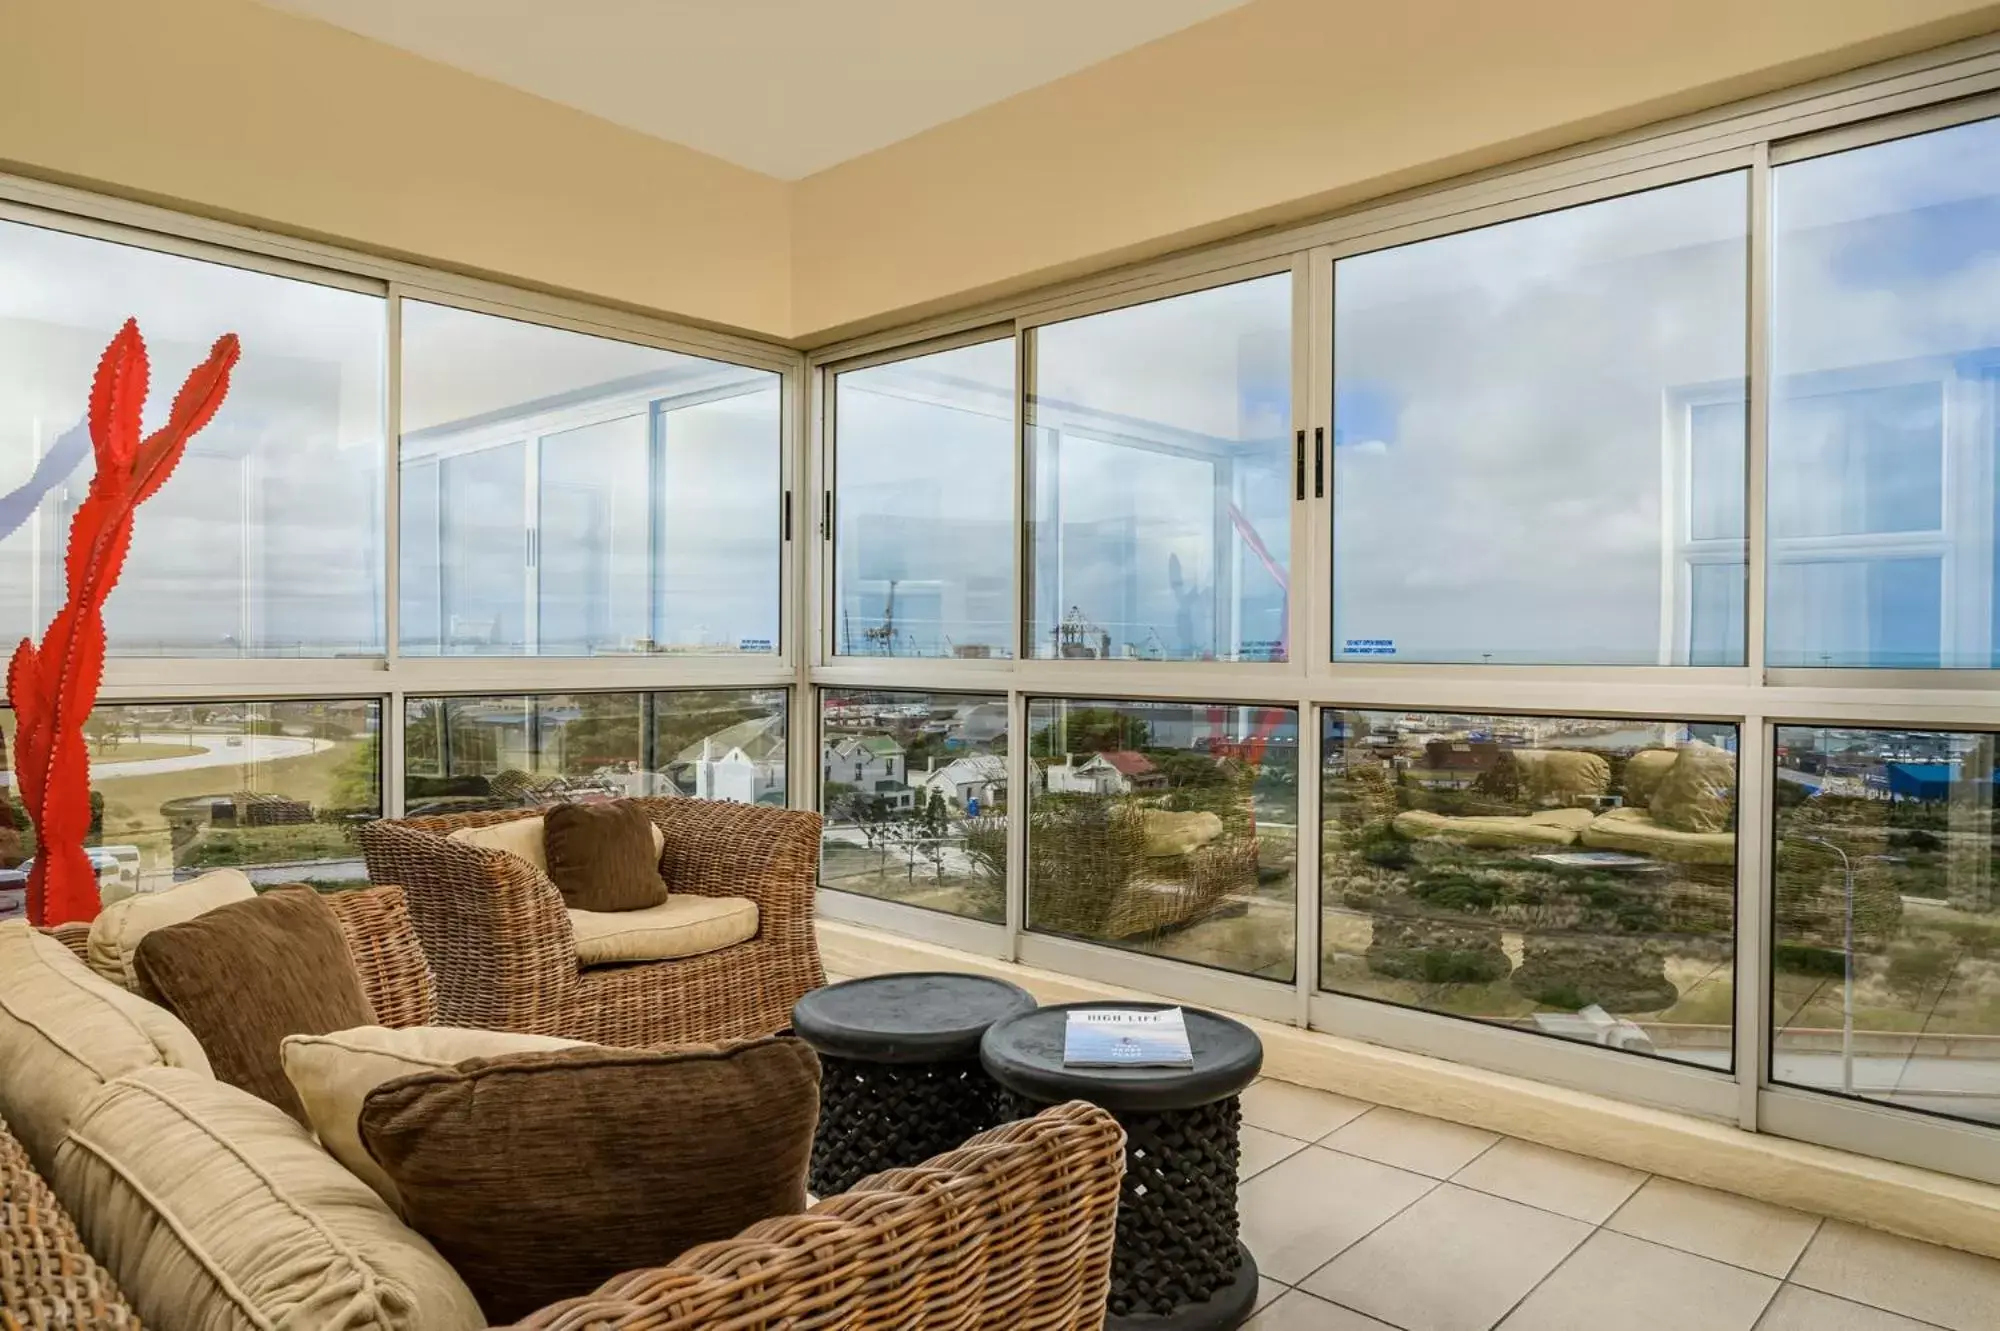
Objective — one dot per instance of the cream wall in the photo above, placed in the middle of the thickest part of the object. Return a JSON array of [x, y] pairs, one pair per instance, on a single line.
[[1269, 113], [232, 109], [1285, 108]]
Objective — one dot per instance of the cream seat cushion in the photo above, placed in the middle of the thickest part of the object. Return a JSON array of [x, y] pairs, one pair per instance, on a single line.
[[64, 1032], [334, 1073], [1551, 827], [1636, 831], [683, 926], [115, 934], [523, 837], [216, 1211]]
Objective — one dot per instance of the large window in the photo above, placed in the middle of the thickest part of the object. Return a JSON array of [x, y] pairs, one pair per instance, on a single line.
[[268, 539], [914, 790], [1161, 479], [177, 789], [924, 505], [1538, 438], [1565, 875], [568, 495], [1168, 828], [1885, 343], [1886, 947], [490, 752]]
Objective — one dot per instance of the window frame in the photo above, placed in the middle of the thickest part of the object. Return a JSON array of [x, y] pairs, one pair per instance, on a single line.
[[1951, 85]]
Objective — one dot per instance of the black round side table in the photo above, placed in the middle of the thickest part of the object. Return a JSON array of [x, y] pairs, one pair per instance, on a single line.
[[1179, 1265], [900, 1077]]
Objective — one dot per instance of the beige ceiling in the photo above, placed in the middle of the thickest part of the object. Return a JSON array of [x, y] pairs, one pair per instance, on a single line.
[[785, 87]]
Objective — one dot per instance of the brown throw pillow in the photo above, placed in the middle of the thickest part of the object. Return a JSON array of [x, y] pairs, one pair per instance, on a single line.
[[244, 976], [602, 857], [541, 1176]]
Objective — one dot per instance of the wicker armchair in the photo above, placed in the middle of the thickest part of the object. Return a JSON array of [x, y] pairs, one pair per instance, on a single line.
[[1014, 1229], [504, 955]]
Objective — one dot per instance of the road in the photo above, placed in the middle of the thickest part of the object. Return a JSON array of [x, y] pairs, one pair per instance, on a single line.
[[216, 751]]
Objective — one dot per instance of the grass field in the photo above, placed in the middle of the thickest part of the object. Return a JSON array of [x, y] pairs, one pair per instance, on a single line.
[[132, 803]]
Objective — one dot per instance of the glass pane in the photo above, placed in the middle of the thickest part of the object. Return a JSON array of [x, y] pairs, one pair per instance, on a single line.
[[719, 522], [1887, 897], [1885, 307], [1538, 428], [484, 542], [597, 497], [268, 539], [275, 789], [595, 525], [1161, 479], [1568, 876], [1168, 828], [509, 750], [924, 499], [914, 790]]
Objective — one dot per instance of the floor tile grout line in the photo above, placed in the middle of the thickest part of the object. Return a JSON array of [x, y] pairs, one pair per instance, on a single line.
[[1515, 1306], [1720, 1261], [1301, 1285], [1818, 1228]]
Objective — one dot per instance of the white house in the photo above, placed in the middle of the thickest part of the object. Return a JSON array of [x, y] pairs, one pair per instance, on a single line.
[[1117, 772], [974, 776], [871, 764], [744, 762]]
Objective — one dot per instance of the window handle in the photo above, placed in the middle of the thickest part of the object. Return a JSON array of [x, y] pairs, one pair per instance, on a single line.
[[1299, 484], [1319, 462], [785, 513], [826, 516]]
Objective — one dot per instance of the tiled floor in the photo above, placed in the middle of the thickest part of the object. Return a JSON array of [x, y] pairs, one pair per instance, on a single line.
[[1371, 1219]]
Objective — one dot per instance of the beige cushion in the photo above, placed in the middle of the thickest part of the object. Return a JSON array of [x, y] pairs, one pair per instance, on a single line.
[[217, 1212], [1698, 793], [1644, 771], [115, 934], [686, 926], [523, 837], [1169, 834], [64, 1032], [1551, 827], [1557, 776], [334, 1073], [1634, 830]]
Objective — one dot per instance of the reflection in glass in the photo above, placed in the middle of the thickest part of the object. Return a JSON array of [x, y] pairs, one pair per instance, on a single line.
[[1570, 876], [1885, 338], [1161, 479], [1886, 945], [275, 789], [267, 540], [914, 790], [1166, 828], [924, 499], [572, 495], [1539, 437], [509, 750]]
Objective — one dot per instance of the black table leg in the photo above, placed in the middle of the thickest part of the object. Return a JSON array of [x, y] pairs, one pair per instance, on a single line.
[[1178, 1265], [877, 1116]]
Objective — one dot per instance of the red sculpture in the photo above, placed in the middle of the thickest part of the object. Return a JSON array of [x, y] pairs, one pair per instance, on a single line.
[[53, 689]]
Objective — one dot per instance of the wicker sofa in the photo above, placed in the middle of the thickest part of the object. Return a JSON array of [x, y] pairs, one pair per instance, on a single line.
[[504, 950], [1014, 1229]]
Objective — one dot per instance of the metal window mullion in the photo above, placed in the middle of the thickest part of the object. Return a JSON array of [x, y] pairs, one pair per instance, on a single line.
[[1305, 858], [1752, 1043], [1019, 795]]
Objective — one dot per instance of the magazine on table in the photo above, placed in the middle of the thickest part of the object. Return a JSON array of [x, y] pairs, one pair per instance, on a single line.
[[1127, 1038]]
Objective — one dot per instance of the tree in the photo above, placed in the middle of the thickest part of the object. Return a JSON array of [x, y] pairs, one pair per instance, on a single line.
[[936, 824], [1091, 730], [357, 782]]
